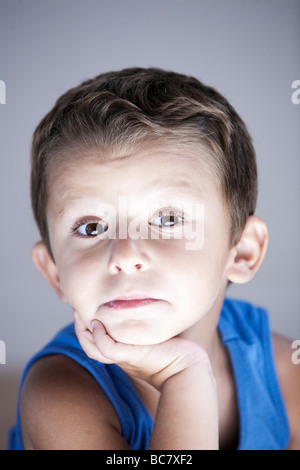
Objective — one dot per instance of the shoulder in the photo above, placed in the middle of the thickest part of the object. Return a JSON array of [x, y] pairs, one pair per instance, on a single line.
[[289, 379], [63, 407]]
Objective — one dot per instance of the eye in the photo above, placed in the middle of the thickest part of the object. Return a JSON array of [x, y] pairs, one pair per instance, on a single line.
[[90, 228], [167, 219]]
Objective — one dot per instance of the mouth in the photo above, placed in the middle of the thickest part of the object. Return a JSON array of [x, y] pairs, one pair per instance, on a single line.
[[129, 302]]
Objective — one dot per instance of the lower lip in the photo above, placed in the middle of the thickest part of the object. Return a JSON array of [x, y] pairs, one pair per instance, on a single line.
[[134, 303]]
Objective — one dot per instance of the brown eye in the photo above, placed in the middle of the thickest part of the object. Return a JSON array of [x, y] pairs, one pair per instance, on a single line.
[[167, 220], [92, 229]]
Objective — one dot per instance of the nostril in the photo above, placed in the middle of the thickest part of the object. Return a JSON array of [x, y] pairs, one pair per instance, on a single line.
[[138, 266]]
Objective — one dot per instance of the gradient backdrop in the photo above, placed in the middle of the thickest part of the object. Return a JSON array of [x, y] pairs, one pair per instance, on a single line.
[[248, 49]]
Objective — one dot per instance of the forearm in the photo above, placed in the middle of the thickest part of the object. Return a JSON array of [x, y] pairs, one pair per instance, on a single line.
[[187, 415]]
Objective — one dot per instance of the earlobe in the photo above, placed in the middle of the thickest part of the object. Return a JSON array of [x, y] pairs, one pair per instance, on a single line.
[[43, 261], [249, 252]]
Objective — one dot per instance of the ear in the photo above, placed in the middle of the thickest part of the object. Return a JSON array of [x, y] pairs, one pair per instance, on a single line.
[[249, 252], [44, 262]]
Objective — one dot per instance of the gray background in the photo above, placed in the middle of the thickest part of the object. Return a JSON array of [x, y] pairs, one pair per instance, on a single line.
[[249, 50]]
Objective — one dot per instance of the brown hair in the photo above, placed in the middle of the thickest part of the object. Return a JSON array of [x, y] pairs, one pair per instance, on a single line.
[[135, 106]]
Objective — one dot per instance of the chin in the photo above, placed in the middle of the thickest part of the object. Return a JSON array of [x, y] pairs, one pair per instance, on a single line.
[[137, 335]]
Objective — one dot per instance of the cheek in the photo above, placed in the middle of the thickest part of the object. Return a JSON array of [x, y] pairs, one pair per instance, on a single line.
[[201, 275], [79, 281]]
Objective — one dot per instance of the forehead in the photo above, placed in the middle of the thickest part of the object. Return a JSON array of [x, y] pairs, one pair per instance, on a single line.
[[155, 171]]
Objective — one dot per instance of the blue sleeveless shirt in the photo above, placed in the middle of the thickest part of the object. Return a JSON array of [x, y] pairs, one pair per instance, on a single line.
[[245, 332]]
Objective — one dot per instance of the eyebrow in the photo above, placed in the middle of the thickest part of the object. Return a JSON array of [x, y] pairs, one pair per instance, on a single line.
[[183, 183], [71, 197]]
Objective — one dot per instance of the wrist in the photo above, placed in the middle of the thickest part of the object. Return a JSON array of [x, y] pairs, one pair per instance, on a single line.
[[193, 374], [190, 367]]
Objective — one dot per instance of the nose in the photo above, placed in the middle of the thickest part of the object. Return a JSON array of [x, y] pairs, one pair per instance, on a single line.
[[127, 256]]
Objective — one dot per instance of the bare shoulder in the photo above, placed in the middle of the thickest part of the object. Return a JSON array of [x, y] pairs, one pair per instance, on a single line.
[[63, 407], [289, 379]]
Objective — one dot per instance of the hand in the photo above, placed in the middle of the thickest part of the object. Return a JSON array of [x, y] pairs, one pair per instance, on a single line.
[[152, 363]]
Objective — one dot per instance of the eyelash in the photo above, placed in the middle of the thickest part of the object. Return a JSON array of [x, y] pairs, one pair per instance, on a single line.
[[91, 220]]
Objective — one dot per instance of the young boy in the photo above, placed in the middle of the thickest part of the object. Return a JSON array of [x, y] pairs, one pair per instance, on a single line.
[[144, 188]]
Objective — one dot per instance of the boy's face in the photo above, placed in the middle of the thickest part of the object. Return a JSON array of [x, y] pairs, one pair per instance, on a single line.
[[151, 224]]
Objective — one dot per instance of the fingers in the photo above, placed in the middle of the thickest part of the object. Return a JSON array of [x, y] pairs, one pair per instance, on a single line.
[[105, 344], [113, 350], [86, 340], [100, 346]]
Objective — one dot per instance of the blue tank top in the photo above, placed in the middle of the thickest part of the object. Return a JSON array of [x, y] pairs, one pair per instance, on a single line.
[[245, 332]]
